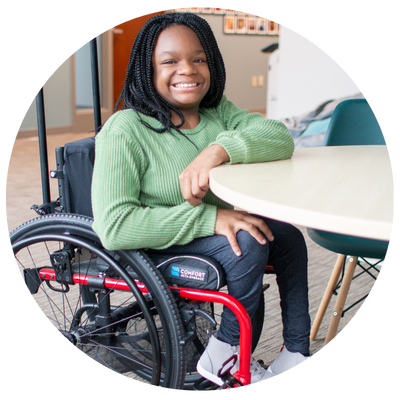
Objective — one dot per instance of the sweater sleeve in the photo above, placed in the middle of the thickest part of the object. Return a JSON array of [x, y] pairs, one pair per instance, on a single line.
[[120, 220], [249, 137]]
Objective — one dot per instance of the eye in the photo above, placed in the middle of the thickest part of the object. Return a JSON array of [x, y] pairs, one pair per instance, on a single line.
[[200, 60]]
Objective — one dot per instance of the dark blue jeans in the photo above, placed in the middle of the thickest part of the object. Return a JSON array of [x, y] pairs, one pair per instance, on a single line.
[[288, 256]]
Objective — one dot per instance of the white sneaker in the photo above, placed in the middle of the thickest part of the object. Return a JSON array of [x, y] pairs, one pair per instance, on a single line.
[[284, 362], [216, 354]]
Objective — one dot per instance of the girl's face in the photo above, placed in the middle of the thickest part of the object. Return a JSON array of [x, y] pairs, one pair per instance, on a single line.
[[181, 74]]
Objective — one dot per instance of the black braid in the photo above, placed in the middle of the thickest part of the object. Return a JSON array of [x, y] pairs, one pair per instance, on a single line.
[[139, 92]]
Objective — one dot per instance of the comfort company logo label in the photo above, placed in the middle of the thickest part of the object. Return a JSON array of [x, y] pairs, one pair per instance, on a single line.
[[175, 271], [185, 273]]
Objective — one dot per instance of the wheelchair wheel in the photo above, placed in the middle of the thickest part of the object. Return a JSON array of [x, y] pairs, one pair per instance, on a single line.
[[92, 297]]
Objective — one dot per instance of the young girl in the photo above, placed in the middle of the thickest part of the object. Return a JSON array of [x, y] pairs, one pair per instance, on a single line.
[[151, 190]]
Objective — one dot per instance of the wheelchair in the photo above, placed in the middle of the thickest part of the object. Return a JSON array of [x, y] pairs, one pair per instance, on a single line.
[[142, 320]]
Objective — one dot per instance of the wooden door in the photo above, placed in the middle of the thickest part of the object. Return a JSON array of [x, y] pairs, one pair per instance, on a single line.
[[124, 36]]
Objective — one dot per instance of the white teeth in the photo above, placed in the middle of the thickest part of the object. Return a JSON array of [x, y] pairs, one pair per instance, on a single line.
[[184, 85]]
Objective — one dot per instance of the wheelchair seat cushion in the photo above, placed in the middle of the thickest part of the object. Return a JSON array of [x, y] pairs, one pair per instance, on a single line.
[[190, 270]]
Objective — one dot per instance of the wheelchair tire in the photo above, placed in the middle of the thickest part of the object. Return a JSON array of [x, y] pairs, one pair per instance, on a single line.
[[136, 334]]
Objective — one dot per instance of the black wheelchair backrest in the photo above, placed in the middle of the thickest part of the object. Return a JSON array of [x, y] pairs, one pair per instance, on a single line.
[[77, 175]]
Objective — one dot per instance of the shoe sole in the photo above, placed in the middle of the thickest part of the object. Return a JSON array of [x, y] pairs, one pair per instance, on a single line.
[[209, 376]]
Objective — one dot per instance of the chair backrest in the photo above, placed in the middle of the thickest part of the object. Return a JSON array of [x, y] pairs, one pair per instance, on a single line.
[[353, 123], [77, 175]]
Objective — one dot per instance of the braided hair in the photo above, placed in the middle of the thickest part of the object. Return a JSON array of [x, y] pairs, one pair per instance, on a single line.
[[139, 92]]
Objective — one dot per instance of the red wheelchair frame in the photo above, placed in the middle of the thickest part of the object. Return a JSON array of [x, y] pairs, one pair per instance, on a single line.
[[242, 375]]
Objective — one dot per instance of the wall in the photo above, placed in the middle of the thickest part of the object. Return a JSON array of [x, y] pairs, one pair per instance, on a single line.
[[58, 100], [243, 60], [307, 76], [83, 76]]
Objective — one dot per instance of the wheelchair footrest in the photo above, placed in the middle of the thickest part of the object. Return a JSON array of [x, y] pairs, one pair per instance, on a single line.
[[230, 382], [224, 373]]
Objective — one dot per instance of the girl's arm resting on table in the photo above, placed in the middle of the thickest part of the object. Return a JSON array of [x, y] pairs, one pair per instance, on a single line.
[[249, 137]]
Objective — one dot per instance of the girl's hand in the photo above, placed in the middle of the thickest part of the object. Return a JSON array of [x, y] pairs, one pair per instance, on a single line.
[[194, 180], [229, 222]]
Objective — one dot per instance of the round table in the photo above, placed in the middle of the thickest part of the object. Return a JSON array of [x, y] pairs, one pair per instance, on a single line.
[[341, 189]]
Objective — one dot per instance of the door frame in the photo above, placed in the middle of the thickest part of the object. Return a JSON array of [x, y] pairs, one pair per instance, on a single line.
[[83, 119]]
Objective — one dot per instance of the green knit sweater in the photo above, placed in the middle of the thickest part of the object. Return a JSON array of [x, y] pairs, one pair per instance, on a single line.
[[136, 197]]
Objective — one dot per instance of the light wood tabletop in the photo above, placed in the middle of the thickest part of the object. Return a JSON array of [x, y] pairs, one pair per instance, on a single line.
[[341, 189]]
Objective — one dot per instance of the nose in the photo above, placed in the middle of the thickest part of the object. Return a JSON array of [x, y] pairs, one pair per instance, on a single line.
[[186, 68]]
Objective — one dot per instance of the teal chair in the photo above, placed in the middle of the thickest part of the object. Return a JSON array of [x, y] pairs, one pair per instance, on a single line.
[[352, 123]]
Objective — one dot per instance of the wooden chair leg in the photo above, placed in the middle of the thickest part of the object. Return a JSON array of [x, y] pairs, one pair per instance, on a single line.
[[334, 279], [338, 309]]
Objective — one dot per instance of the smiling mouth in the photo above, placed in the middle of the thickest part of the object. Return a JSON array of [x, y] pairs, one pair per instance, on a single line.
[[185, 85]]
